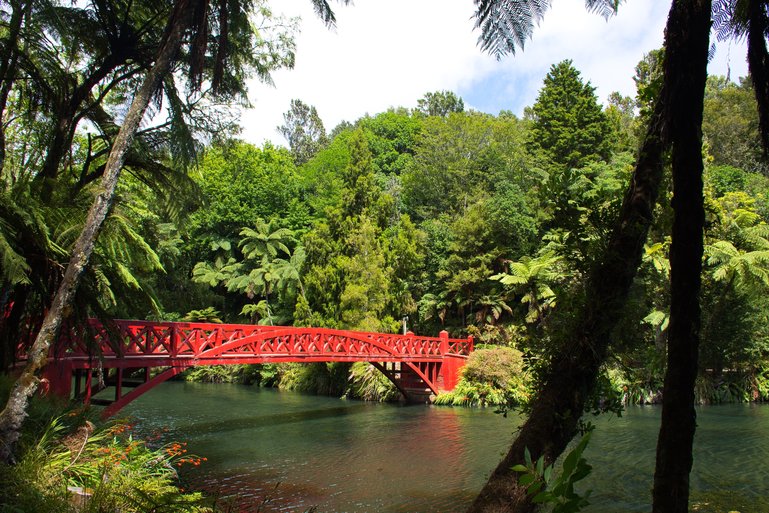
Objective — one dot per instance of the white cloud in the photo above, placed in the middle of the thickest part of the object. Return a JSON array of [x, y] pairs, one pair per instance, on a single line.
[[389, 53]]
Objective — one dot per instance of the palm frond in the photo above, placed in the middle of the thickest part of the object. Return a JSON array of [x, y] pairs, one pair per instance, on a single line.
[[720, 252], [758, 236], [506, 24], [208, 274]]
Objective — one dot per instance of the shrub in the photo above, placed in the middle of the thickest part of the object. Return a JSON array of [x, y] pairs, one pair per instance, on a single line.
[[492, 376]]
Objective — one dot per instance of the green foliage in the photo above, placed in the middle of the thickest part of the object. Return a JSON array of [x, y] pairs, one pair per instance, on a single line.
[[648, 81], [314, 378], [620, 113], [321, 179], [368, 383], [18, 217], [208, 314], [360, 191], [364, 299], [556, 489], [267, 268], [458, 159], [241, 373], [581, 204], [391, 138], [730, 125], [440, 103], [636, 386], [532, 277], [242, 183]]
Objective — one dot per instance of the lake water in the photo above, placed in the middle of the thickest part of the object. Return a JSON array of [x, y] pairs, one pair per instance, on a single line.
[[281, 451]]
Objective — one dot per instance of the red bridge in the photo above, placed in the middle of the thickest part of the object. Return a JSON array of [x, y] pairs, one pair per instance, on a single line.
[[115, 355]]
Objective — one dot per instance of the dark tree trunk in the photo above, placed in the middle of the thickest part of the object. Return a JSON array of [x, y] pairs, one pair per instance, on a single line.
[[758, 62], [8, 63], [12, 417], [674, 446], [11, 330], [572, 376]]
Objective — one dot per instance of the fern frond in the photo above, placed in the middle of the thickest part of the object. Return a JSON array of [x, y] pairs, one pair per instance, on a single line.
[[506, 25], [605, 8], [14, 269]]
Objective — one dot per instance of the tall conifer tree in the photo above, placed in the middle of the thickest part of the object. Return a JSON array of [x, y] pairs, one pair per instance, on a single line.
[[570, 130]]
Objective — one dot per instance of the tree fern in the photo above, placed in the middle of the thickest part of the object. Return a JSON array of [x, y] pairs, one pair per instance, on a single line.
[[745, 269], [532, 277], [264, 242]]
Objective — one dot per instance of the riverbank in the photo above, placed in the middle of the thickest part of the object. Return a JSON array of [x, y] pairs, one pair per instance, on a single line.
[[493, 376]]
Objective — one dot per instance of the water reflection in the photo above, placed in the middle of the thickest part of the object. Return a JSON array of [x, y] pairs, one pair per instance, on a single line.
[[278, 451]]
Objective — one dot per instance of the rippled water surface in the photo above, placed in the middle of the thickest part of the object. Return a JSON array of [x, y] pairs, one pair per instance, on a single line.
[[282, 451]]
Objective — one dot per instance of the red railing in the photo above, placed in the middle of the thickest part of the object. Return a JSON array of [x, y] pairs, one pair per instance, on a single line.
[[185, 340]]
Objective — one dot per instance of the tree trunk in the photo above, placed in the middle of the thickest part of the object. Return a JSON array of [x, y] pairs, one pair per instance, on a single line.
[[674, 446], [758, 63], [571, 378], [14, 413], [8, 66]]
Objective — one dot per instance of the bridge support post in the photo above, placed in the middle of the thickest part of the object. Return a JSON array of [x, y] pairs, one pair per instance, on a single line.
[[450, 371], [444, 336]]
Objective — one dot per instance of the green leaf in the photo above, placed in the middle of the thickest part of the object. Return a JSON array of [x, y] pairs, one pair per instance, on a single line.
[[526, 479], [534, 488], [570, 463]]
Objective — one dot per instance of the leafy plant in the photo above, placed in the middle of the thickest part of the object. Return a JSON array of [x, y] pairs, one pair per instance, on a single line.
[[85, 468], [546, 487]]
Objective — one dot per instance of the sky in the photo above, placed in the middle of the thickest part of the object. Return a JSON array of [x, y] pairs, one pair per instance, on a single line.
[[389, 53]]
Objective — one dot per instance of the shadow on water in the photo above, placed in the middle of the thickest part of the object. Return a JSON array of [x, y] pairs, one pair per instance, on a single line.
[[276, 419]]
